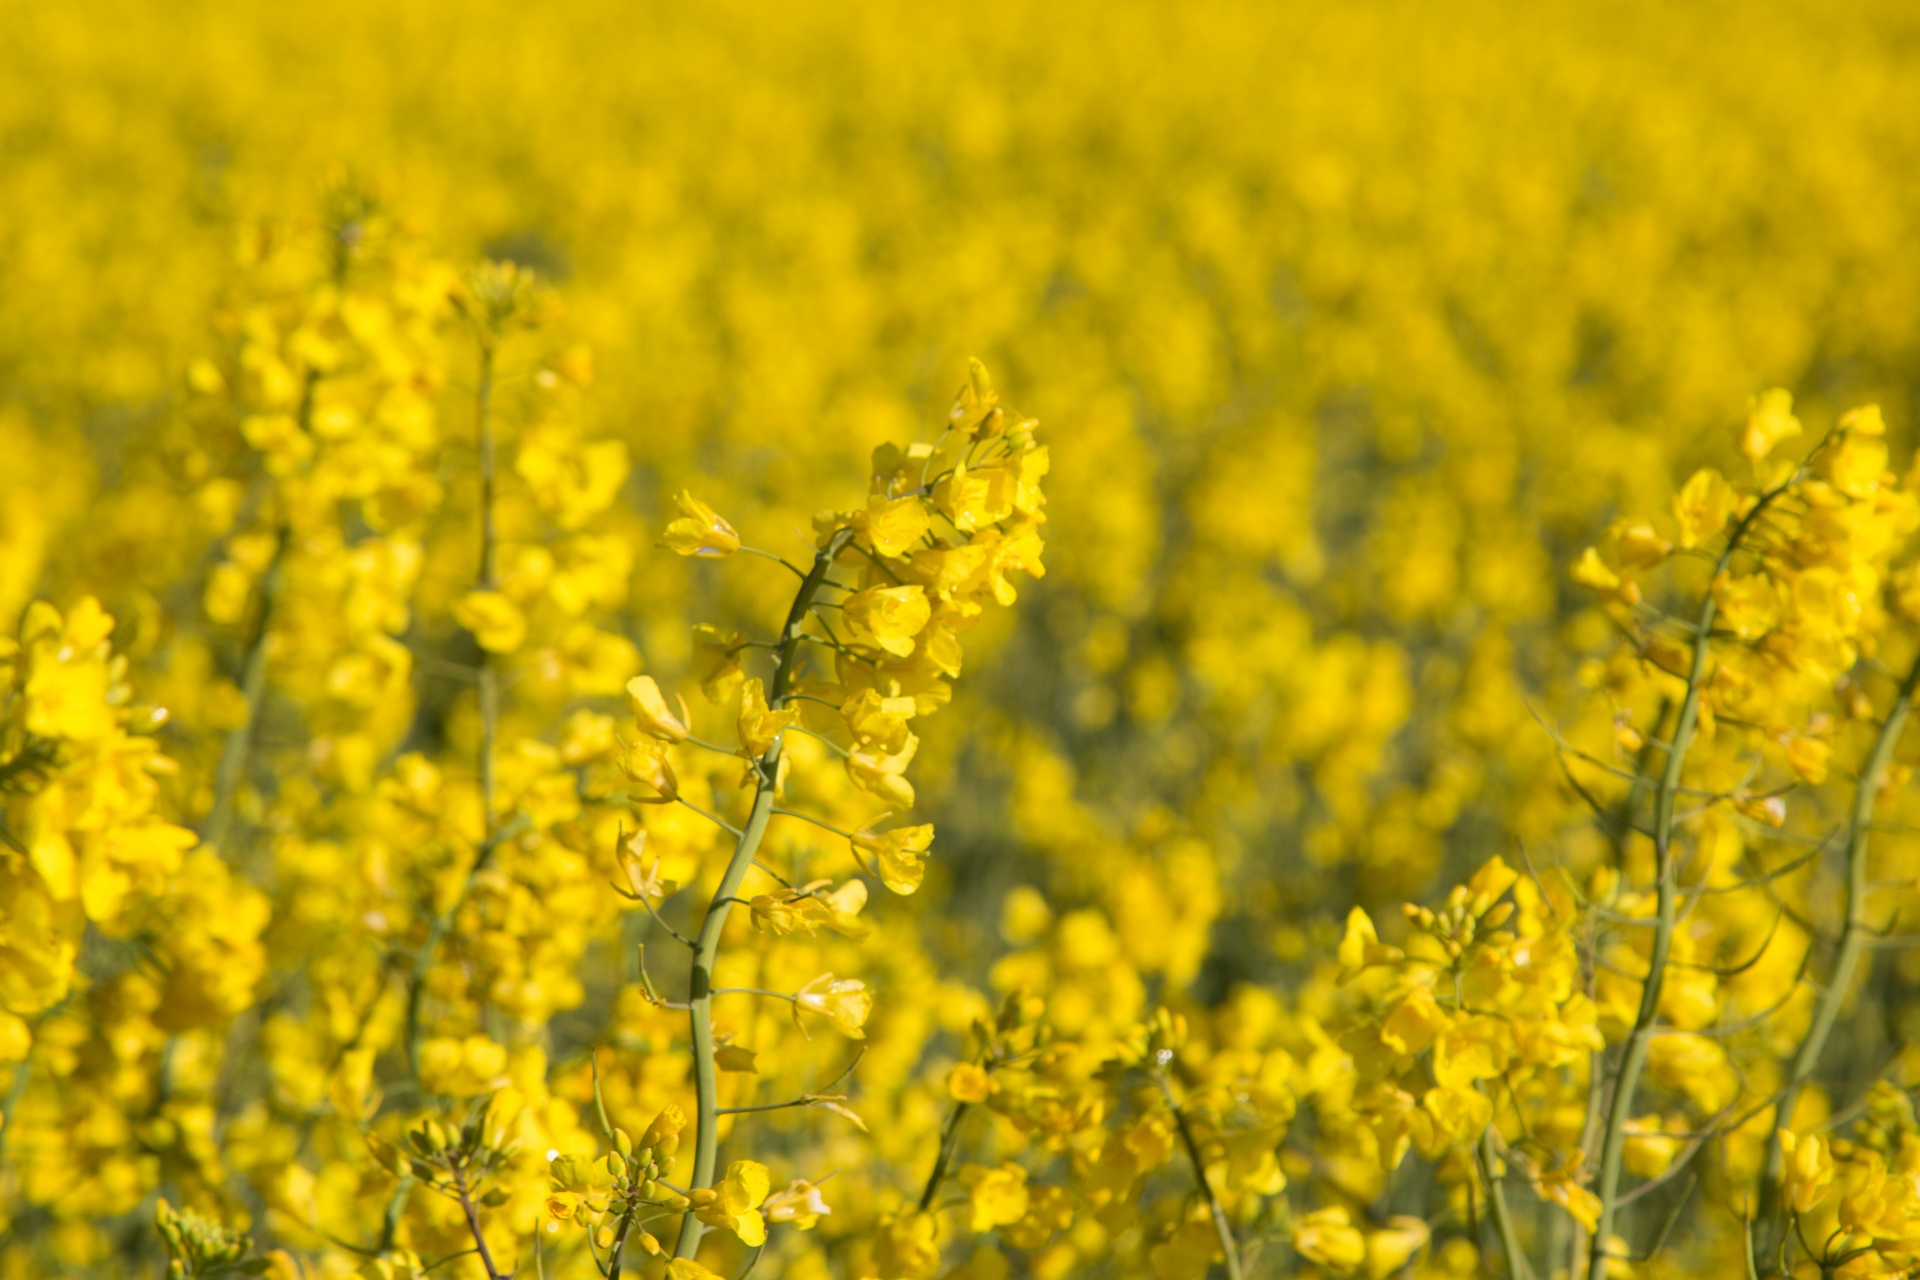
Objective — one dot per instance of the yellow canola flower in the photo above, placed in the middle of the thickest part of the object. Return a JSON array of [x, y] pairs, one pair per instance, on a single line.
[[1489, 884], [1855, 464], [716, 662], [1581, 1204], [808, 913], [975, 499], [892, 616], [736, 1202], [898, 856], [1395, 1245], [700, 531], [16, 1037], [995, 1197], [496, 621], [1591, 571], [1703, 506], [1328, 1237], [1748, 605], [1413, 1024], [1450, 1116], [649, 708], [646, 761], [562, 1206], [1809, 758], [894, 527], [688, 1269], [844, 1002], [663, 1135], [879, 722], [68, 681], [1360, 946], [969, 1082], [799, 1205], [759, 726], [643, 873], [1770, 420], [1809, 1169], [1650, 1150], [462, 1068], [883, 774]]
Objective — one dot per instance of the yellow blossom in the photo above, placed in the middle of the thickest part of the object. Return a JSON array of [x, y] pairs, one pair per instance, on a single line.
[[968, 1082], [1809, 1171], [883, 774], [1328, 1237], [758, 726], [650, 710], [1769, 421], [892, 616], [845, 1002], [1394, 1245], [997, 1197], [799, 1205], [700, 531], [898, 855], [496, 622], [1703, 506], [736, 1202]]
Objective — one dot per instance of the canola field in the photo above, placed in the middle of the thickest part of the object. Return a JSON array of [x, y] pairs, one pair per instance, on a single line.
[[991, 642]]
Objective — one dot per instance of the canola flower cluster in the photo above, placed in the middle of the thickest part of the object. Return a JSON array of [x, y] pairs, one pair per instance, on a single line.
[[366, 794]]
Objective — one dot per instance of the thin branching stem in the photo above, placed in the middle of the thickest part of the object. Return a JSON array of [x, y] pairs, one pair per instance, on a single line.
[[746, 848], [473, 1227], [949, 1142], [1854, 939], [1503, 1223], [1633, 1059], [1222, 1229], [805, 1098]]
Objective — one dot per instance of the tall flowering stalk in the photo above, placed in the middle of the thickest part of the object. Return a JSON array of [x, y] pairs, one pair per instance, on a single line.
[[867, 647]]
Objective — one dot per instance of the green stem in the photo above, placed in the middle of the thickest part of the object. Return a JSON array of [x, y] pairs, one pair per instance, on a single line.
[[253, 690], [1633, 1060], [707, 944], [489, 718], [15, 1092], [1221, 1227], [949, 1142], [473, 1228], [1503, 1222], [1853, 941], [619, 1248]]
